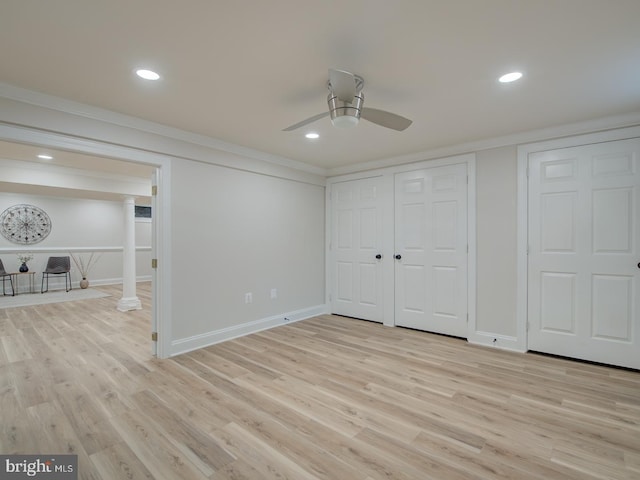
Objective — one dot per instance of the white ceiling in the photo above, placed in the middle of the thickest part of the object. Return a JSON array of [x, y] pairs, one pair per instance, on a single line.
[[240, 71]]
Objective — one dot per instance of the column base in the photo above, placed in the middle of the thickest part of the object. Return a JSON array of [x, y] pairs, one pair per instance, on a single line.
[[129, 303]]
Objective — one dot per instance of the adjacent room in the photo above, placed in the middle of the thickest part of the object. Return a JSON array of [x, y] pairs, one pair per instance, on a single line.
[[331, 240]]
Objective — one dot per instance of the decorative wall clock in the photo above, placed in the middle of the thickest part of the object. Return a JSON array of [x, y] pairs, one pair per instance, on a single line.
[[25, 224]]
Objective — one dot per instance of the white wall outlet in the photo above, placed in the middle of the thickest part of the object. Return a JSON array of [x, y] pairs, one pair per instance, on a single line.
[[274, 293], [248, 297]]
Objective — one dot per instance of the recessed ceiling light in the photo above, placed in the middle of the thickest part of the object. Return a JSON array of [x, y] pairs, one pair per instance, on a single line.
[[45, 157], [510, 77], [147, 74], [312, 135]]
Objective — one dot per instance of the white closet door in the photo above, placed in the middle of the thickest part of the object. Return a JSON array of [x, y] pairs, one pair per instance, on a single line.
[[431, 241], [584, 249], [357, 237]]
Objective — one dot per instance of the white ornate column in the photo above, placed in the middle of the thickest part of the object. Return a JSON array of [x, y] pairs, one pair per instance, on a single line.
[[129, 300]]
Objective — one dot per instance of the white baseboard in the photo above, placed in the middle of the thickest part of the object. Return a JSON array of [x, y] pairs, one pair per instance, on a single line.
[[113, 281], [189, 344], [57, 283], [502, 342]]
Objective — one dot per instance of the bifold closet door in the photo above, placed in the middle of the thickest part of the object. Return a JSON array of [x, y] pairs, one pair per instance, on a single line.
[[584, 252], [356, 249], [431, 249]]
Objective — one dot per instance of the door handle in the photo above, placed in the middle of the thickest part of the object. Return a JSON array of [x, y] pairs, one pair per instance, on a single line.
[[638, 264], [378, 256], [398, 257]]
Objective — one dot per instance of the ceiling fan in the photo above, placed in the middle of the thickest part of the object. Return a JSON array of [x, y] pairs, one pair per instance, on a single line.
[[345, 105]]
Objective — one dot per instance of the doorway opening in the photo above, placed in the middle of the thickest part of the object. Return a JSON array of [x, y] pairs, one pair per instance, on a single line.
[[116, 163]]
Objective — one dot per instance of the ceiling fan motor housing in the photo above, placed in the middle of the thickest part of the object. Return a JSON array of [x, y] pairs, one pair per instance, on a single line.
[[345, 114]]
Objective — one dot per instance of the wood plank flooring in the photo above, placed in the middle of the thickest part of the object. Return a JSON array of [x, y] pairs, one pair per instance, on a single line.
[[326, 398]]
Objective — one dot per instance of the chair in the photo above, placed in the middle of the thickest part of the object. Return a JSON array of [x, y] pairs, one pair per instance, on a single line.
[[4, 275], [57, 266]]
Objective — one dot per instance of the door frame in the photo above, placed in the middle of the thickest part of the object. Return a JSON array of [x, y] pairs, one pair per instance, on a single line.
[[388, 174], [522, 297], [162, 286]]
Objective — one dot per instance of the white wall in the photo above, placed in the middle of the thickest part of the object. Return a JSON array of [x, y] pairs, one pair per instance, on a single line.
[[81, 226], [237, 232], [496, 193]]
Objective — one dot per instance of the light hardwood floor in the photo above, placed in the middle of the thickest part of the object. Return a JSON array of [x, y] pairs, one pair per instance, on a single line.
[[326, 398]]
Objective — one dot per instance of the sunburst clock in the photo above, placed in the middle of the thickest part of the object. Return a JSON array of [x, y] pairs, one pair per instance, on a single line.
[[25, 224]]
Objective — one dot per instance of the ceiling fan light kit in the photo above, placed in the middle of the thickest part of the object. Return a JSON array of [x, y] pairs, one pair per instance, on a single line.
[[345, 114], [346, 102]]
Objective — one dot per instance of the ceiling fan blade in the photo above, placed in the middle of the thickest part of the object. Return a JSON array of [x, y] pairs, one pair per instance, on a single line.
[[343, 84], [385, 119], [306, 122]]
